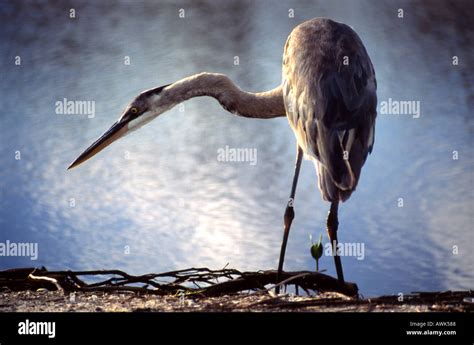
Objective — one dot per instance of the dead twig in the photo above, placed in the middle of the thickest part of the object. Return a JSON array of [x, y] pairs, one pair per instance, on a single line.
[[200, 281]]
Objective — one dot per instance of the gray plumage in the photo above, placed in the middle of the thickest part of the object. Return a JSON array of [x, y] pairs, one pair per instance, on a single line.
[[331, 106]]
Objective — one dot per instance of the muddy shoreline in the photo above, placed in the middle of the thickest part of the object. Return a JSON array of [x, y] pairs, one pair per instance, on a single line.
[[56, 301]]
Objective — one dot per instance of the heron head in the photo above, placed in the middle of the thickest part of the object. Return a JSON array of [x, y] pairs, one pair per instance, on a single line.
[[144, 108]]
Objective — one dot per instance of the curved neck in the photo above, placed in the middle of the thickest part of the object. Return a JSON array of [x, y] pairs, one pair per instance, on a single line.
[[263, 105]]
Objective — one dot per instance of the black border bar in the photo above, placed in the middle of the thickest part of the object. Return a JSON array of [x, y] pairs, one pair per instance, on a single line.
[[238, 328]]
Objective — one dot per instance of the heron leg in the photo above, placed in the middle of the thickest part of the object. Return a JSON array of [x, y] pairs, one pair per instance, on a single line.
[[332, 226], [289, 215]]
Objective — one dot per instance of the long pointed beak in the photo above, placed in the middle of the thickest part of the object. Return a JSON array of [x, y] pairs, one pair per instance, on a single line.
[[118, 129]]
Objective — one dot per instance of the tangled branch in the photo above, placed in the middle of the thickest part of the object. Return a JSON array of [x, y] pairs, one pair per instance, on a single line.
[[201, 281]]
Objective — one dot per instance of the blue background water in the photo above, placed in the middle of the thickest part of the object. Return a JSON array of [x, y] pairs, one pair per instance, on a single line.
[[172, 202]]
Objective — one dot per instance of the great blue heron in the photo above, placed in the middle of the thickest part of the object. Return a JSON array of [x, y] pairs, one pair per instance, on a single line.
[[328, 94]]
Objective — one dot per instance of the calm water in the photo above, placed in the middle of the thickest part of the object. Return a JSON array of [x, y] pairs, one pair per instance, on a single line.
[[161, 190]]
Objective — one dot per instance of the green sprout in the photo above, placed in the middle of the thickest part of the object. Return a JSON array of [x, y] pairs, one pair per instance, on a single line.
[[316, 250]]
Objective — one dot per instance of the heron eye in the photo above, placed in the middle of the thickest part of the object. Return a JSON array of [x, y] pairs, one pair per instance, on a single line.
[[134, 110]]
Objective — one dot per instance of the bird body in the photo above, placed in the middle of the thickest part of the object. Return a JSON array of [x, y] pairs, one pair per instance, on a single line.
[[329, 91]]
